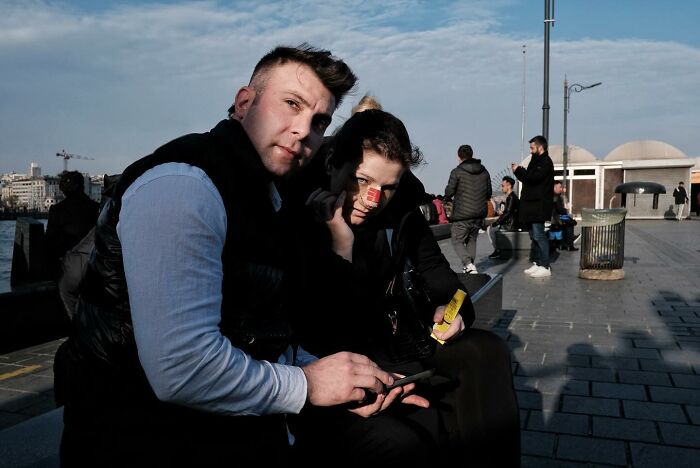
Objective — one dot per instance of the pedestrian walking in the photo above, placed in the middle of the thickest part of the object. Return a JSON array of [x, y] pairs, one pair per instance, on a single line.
[[470, 186], [681, 198]]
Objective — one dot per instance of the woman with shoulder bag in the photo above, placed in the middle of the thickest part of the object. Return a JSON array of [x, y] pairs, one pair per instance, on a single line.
[[380, 284]]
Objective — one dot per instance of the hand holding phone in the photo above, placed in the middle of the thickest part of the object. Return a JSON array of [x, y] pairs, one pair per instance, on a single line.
[[411, 378]]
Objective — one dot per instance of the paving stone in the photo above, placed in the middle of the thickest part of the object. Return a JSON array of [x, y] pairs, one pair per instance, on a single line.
[[565, 423], [589, 373], [657, 365], [646, 343], [655, 456], [653, 411], [563, 386], [627, 429], [618, 390], [686, 380], [680, 434], [592, 406], [529, 400], [591, 450], [643, 377], [694, 413], [540, 462], [615, 363], [642, 353], [675, 395], [537, 443]]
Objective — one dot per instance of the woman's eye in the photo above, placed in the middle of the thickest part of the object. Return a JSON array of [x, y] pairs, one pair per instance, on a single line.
[[292, 103], [361, 180]]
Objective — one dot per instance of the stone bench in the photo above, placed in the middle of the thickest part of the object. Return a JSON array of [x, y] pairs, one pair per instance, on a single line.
[[513, 240]]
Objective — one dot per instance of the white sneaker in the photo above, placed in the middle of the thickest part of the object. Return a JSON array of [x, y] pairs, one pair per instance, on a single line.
[[532, 269], [470, 268], [541, 272]]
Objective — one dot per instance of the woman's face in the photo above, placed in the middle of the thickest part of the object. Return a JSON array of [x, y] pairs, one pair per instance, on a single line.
[[371, 187]]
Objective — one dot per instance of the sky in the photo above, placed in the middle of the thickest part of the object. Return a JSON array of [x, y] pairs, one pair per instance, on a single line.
[[113, 81]]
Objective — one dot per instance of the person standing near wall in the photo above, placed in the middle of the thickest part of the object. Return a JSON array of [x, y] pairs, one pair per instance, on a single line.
[[681, 198]]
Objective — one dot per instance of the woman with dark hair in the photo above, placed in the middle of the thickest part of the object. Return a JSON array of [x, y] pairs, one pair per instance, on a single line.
[[372, 240]]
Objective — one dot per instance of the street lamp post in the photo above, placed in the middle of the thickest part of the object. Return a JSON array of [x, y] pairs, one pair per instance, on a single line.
[[565, 151]]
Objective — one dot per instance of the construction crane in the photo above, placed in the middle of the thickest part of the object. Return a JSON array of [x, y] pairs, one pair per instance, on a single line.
[[67, 156]]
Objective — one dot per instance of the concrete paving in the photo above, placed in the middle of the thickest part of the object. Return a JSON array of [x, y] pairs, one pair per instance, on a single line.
[[607, 372]]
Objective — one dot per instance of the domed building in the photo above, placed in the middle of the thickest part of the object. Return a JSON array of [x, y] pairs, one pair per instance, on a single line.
[[592, 181], [646, 161]]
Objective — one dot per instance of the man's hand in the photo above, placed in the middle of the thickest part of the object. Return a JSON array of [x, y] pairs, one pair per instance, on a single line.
[[383, 401], [343, 378], [455, 329], [514, 166]]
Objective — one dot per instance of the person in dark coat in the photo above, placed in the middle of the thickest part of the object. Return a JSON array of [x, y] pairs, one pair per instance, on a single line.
[[680, 196], [536, 202], [371, 226], [507, 215], [69, 220], [561, 220], [470, 186]]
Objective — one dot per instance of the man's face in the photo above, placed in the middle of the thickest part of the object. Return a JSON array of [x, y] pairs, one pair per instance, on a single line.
[[286, 120], [535, 149], [506, 187], [558, 188]]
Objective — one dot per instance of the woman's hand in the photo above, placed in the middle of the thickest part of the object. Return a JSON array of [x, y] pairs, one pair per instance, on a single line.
[[341, 233], [455, 329]]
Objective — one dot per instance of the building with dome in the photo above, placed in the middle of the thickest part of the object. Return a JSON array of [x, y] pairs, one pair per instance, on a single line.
[[592, 181]]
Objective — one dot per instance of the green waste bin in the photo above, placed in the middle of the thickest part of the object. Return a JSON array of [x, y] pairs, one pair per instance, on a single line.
[[602, 238]]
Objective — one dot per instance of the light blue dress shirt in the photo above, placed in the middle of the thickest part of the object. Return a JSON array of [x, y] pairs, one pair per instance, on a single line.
[[172, 228]]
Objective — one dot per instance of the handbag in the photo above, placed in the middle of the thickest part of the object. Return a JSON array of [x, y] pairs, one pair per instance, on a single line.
[[409, 317]]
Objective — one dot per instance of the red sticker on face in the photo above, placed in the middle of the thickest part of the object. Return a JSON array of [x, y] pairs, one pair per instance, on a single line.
[[374, 195]]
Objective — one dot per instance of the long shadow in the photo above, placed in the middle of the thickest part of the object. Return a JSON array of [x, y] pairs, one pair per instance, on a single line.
[[641, 397]]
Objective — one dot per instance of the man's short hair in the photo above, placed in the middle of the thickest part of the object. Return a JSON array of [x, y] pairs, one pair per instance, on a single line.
[[681, 183], [465, 152], [71, 183], [333, 72], [510, 180], [539, 140], [557, 182]]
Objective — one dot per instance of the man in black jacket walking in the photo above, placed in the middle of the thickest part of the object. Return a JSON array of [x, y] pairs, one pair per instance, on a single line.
[[470, 186], [680, 196], [536, 202]]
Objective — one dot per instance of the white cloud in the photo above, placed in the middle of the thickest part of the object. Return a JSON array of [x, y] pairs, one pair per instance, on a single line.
[[116, 83]]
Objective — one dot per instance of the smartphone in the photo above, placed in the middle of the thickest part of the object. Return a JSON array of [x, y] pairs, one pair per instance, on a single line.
[[411, 378]]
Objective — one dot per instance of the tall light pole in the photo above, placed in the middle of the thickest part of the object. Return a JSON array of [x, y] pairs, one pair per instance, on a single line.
[[522, 126], [567, 92], [548, 23]]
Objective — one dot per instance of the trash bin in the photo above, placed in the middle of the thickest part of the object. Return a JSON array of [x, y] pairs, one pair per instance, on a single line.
[[602, 238]]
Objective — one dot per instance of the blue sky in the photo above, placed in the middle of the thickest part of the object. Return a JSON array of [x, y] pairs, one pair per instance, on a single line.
[[114, 80]]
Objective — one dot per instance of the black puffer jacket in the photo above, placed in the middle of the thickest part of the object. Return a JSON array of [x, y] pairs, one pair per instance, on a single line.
[[470, 186]]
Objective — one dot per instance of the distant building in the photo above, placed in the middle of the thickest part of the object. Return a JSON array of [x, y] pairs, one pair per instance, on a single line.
[[592, 181], [34, 170]]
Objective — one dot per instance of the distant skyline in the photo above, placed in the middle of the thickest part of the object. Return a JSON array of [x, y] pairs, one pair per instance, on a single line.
[[115, 80]]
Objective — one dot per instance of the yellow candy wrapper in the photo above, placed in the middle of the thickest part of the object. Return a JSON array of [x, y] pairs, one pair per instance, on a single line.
[[450, 313]]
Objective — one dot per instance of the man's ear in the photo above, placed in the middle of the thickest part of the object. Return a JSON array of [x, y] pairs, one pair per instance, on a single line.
[[243, 102]]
